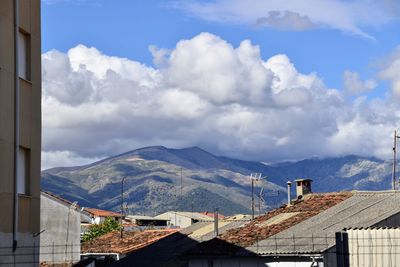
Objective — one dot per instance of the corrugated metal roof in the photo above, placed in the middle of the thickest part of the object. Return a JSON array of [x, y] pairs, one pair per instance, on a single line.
[[204, 231], [190, 229], [222, 229], [316, 234], [209, 228]]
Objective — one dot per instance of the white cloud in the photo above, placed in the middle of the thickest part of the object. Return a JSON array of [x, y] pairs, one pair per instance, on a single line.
[[63, 158], [207, 93], [354, 86], [391, 71], [348, 16], [286, 20], [216, 71]]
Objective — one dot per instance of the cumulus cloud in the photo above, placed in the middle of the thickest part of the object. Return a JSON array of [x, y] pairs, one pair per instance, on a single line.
[[391, 71], [354, 86], [351, 17], [226, 99]]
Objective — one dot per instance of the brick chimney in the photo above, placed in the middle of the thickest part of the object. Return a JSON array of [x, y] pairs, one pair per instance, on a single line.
[[303, 187]]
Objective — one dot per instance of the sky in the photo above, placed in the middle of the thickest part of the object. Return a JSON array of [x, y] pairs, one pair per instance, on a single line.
[[265, 80]]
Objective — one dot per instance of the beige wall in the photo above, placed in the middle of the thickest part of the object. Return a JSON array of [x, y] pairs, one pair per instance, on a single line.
[[30, 118]]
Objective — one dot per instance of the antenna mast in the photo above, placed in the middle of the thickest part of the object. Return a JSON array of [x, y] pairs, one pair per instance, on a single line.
[[254, 178], [394, 159], [181, 186]]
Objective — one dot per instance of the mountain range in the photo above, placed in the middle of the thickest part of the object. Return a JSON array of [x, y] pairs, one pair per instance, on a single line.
[[158, 179]]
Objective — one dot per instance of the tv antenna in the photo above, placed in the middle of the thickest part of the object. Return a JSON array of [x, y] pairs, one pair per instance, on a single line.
[[261, 200], [255, 177]]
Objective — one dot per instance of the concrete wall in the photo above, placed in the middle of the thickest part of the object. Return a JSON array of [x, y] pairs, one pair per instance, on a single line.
[[60, 241], [29, 137], [176, 219], [244, 262]]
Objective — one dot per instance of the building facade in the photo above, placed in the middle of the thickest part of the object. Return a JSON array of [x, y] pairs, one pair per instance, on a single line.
[[305, 234], [183, 219], [20, 131], [60, 241], [98, 216]]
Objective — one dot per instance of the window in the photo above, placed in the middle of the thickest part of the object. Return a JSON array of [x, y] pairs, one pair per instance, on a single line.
[[23, 183], [24, 56]]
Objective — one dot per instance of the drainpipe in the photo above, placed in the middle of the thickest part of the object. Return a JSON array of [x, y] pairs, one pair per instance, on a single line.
[[16, 124], [289, 186]]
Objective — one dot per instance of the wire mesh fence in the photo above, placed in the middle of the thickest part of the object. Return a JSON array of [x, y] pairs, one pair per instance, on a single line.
[[34, 255], [362, 251]]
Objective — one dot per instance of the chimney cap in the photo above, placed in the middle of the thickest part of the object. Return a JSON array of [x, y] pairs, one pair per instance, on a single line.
[[301, 180], [289, 182]]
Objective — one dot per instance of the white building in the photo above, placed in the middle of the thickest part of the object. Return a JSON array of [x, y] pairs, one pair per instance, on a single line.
[[98, 216], [183, 219]]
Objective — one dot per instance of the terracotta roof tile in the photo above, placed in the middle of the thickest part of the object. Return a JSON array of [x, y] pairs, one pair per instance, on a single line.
[[102, 213], [112, 242]]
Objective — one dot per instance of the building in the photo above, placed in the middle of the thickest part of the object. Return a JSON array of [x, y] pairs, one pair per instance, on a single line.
[[370, 246], [300, 234], [98, 216], [183, 219], [60, 224], [112, 246], [20, 131], [147, 221], [168, 251]]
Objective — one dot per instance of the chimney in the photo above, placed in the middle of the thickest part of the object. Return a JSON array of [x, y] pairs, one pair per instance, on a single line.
[[303, 187], [289, 188]]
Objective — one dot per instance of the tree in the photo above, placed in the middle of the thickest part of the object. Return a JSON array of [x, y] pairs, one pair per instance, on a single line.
[[96, 230]]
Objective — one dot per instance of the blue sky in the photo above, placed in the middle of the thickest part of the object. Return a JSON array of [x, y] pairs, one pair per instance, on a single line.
[[126, 28], [359, 38]]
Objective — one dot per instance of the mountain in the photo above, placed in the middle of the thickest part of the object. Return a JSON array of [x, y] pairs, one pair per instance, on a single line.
[[160, 179]]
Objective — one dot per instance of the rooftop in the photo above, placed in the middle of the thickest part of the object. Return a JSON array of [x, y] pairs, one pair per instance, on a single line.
[[272, 223], [58, 198], [260, 228], [362, 209], [102, 213], [205, 230], [193, 215], [112, 242], [144, 217], [308, 226], [211, 215]]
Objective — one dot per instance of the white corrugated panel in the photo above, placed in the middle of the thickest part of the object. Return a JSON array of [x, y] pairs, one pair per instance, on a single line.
[[374, 247]]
